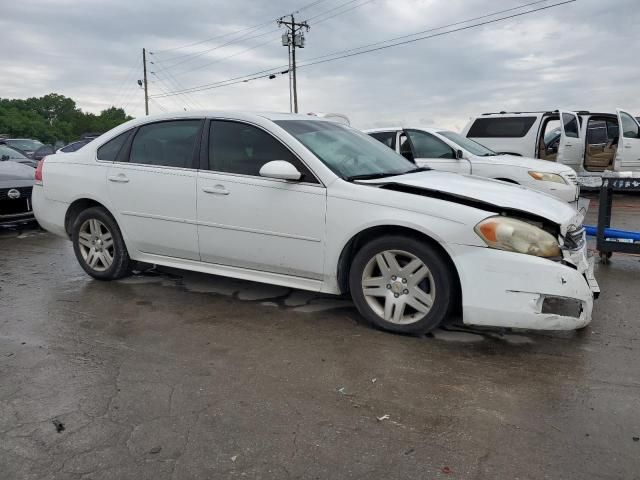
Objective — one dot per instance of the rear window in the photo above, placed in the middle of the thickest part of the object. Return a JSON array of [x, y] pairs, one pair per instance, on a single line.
[[506, 127], [109, 151]]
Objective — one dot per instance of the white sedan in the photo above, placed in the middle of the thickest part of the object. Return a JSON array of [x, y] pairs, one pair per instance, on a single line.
[[442, 149], [307, 203]]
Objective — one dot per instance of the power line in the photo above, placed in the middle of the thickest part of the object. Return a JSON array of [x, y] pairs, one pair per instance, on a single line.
[[222, 59], [348, 2], [206, 40], [345, 54], [195, 55], [343, 12], [404, 42], [245, 30], [438, 28]]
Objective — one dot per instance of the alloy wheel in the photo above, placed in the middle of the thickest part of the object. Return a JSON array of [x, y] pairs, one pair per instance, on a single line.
[[96, 244], [398, 287]]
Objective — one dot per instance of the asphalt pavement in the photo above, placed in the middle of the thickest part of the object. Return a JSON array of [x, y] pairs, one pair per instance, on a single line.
[[175, 375]]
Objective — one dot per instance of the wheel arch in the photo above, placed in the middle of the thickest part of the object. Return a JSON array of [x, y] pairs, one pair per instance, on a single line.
[[78, 206], [357, 241]]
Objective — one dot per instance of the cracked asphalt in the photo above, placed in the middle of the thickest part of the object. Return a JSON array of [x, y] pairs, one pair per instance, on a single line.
[[175, 375]]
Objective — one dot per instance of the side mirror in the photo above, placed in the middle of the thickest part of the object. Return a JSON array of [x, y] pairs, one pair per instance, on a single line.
[[280, 169], [5, 157], [459, 154]]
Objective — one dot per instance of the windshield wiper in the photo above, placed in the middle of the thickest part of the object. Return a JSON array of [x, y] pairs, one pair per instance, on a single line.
[[371, 176], [418, 169]]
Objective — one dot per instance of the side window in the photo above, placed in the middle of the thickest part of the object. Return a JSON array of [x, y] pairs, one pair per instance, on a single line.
[[169, 144], [388, 138], [629, 126], [428, 146], [596, 132], [240, 148], [551, 132], [570, 125], [109, 151], [506, 127]]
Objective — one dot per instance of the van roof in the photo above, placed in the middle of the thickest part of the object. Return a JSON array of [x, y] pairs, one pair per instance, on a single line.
[[546, 112]]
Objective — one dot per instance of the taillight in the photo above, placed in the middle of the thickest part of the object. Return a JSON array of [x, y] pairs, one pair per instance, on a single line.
[[38, 176]]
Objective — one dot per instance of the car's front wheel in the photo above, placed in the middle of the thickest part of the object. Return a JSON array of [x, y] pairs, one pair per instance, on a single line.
[[401, 284], [99, 246]]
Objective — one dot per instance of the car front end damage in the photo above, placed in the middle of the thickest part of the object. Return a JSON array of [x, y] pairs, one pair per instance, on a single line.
[[516, 290]]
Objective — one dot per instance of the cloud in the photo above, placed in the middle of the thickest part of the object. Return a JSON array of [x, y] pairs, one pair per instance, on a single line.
[[579, 55]]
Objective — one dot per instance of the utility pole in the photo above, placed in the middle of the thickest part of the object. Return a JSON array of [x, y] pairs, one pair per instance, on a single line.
[[294, 38], [146, 88]]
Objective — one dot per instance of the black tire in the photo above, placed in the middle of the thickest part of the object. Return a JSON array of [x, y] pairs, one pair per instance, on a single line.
[[121, 264], [441, 275]]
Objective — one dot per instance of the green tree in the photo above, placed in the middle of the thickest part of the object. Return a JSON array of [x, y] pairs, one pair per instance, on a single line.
[[54, 117]]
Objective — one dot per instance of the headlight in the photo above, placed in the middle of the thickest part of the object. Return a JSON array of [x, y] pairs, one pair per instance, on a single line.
[[547, 177], [506, 233]]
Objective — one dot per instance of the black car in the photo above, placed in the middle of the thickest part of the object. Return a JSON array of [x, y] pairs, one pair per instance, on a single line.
[[15, 155], [16, 184]]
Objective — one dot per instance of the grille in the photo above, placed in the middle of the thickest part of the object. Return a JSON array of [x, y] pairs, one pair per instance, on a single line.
[[575, 238], [571, 177], [14, 206], [25, 192]]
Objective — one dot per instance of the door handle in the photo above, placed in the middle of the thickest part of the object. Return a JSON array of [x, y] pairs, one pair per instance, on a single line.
[[568, 144], [627, 146], [120, 178], [216, 190]]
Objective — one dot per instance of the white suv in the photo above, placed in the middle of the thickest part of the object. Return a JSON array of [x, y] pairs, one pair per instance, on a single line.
[[593, 144], [442, 149], [307, 203]]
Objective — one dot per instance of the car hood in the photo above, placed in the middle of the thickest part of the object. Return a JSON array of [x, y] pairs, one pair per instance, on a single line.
[[10, 170], [486, 194], [526, 162]]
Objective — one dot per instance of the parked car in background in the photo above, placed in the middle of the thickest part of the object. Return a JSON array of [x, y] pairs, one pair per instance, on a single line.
[[442, 149], [15, 155], [27, 145], [74, 146], [302, 202], [593, 144], [16, 184], [43, 151]]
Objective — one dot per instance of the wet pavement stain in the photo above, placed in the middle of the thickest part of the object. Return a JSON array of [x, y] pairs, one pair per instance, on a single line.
[[238, 383]]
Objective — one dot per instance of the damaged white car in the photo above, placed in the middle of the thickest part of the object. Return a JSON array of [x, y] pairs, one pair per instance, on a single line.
[[307, 203]]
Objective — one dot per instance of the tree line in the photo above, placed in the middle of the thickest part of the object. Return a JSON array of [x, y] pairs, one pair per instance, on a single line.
[[53, 118]]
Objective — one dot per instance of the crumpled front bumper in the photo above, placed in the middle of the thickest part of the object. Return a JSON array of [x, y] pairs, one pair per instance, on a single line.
[[506, 289]]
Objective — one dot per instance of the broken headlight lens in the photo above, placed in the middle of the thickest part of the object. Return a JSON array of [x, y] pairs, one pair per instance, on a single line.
[[513, 235], [548, 177]]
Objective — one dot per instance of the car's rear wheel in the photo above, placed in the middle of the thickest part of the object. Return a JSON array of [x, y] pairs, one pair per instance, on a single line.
[[99, 246], [401, 284]]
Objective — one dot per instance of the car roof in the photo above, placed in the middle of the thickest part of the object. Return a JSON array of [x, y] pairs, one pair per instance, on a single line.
[[222, 114]]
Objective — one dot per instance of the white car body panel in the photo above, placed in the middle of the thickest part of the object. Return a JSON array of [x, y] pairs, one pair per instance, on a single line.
[[570, 149], [628, 147], [294, 234], [505, 167]]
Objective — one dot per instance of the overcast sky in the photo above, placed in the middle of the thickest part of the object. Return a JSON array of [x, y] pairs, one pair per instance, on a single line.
[[582, 55]]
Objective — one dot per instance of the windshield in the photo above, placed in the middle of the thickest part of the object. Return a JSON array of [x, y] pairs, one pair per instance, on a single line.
[[11, 153], [469, 145], [25, 144], [349, 153]]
